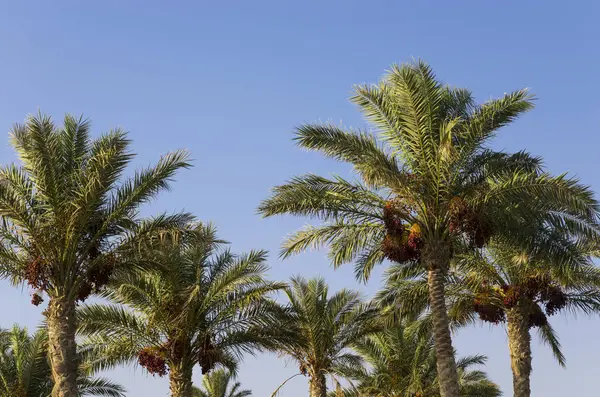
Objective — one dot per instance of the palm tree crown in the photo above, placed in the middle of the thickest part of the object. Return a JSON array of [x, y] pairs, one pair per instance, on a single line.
[[220, 383], [203, 306], [322, 328]]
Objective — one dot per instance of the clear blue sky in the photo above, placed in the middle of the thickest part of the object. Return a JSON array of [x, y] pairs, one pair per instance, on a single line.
[[229, 83]]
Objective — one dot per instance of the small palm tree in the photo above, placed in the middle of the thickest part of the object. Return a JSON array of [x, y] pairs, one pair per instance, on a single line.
[[521, 287], [202, 306], [220, 383], [68, 221], [402, 364], [322, 328], [427, 181], [25, 369]]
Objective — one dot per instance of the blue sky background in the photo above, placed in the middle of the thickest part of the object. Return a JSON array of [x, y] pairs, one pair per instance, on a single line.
[[230, 80]]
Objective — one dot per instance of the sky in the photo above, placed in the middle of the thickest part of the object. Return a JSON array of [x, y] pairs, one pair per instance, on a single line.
[[230, 80]]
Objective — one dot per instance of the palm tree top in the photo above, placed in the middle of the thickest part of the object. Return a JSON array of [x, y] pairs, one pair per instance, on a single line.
[[221, 383], [66, 215], [320, 327], [426, 174]]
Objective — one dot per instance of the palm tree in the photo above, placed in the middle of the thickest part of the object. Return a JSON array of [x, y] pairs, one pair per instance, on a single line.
[[509, 284], [202, 306], [402, 364], [220, 383], [67, 219], [322, 329], [25, 370], [426, 182]]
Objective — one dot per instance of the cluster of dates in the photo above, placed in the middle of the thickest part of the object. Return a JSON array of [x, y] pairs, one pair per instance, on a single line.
[[537, 290], [466, 221], [401, 243], [38, 275]]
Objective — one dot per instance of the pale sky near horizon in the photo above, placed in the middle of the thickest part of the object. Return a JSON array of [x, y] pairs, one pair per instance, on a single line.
[[230, 80]]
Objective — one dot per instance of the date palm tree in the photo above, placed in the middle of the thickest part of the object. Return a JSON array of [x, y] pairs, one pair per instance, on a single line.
[[220, 383], [426, 181], [25, 369], [517, 286], [323, 328], [402, 364], [68, 218], [202, 305]]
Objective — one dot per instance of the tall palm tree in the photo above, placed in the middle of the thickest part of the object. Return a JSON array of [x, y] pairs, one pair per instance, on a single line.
[[25, 370], [220, 383], [427, 180], [202, 306], [323, 328], [509, 284], [402, 364], [67, 218]]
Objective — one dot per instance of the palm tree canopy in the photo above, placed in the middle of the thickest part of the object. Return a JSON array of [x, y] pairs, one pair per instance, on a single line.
[[66, 213], [25, 370], [201, 305], [402, 363], [220, 383], [552, 272], [427, 175], [323, 327]]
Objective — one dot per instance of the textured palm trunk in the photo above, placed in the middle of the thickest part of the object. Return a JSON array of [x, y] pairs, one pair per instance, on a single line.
[[519, 344], [436, 258], [180, 382], [318, 386], [62, 348]]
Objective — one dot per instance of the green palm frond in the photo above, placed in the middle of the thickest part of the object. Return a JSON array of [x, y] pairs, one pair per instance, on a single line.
[[375, 166], [547, 335], [100, 387]]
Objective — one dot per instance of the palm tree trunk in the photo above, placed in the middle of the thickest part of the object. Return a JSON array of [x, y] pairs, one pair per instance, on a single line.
[[318, 386], [62, 348], [436, 258], [519, 344], [180, 381]]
